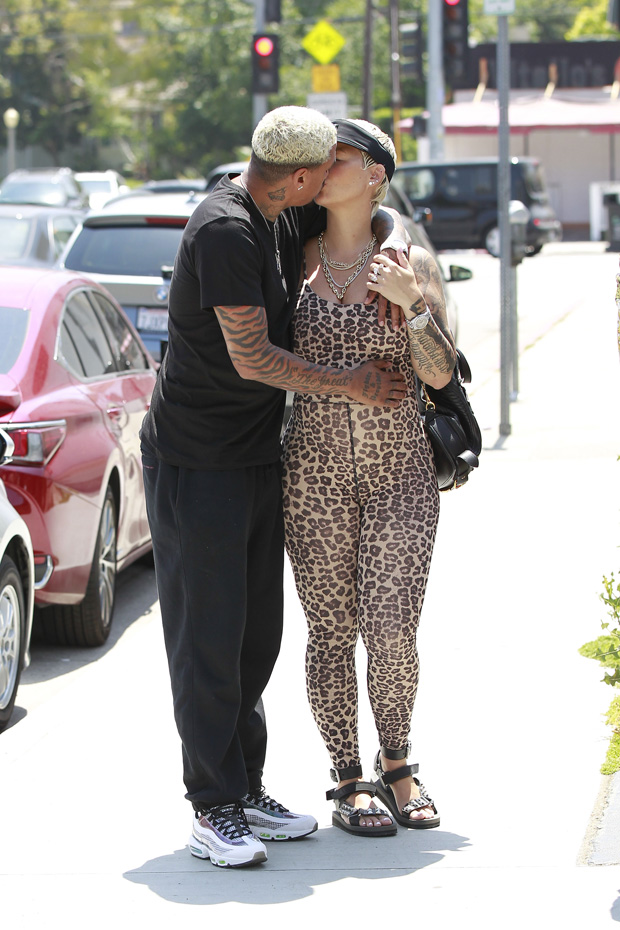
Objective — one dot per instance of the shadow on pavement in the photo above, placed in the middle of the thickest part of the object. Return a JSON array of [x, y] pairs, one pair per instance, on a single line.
[[299, 866], [135, 595]]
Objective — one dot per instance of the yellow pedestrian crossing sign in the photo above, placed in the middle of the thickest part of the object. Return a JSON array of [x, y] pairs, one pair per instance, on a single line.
[[323, 42]]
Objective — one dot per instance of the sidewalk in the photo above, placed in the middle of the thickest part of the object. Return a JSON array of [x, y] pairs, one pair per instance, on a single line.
[[508, 726]]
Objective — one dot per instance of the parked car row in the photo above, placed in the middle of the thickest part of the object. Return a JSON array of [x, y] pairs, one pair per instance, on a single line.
[[61, 187]]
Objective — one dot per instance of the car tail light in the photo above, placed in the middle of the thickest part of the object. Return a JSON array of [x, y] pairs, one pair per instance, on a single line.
[[36, 443], [180, 221]]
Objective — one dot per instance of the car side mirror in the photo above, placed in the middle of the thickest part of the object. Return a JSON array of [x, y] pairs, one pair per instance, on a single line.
[[423, 215], [458, 273]]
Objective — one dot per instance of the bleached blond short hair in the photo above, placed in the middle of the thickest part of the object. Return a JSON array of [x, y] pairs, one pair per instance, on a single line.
[[386, 142], [289, 138]]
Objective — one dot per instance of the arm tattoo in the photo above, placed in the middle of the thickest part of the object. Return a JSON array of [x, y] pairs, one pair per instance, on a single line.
[[257, 359], [432, 348], [431, 353]]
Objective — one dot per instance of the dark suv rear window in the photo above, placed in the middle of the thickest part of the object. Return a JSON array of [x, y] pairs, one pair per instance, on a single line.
[[124, 250]]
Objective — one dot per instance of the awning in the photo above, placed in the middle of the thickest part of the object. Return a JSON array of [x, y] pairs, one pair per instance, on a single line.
[[529, 114]]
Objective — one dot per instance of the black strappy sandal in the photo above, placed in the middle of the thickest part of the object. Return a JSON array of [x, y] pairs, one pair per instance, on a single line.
[[384, 790], [353, 814]]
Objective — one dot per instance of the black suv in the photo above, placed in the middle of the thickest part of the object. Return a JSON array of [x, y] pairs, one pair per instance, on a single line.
[[462, 196]]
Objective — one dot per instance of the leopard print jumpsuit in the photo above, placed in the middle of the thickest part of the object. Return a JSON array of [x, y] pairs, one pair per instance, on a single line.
[[361, 507]]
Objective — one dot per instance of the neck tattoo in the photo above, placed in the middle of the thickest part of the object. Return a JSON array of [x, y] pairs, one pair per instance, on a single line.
[[358, 265]]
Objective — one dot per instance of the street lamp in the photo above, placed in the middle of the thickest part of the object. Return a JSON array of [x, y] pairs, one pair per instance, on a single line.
[[11, 121]]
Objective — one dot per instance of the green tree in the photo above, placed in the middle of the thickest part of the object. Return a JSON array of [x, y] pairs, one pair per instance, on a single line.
[[591, 21], [533, 20], [52, 59]]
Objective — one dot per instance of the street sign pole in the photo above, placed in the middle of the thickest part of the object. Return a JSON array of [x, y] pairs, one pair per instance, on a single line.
[[259, 101], [396, 94], [503, 8], [503, 197], [435, 84]]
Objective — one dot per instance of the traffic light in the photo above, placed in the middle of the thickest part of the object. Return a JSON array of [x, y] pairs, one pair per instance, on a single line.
[[273, 11], [613, 13], [455, 46], [265, 63], [411, 50]]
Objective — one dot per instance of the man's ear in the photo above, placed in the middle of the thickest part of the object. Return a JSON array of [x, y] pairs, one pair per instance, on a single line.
[[300, 178]]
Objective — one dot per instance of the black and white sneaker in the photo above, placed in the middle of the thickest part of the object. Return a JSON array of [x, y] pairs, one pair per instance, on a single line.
[[269, 820], [222, 835]]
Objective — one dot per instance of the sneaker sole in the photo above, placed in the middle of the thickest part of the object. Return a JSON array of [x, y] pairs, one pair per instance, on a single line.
[[202, 851], [267, 833]]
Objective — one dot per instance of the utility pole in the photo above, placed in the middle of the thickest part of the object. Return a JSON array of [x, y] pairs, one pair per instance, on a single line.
[[367, 96], [259, 101], [396, 94]]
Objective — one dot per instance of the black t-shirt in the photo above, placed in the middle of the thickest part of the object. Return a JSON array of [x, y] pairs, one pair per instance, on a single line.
[[203, 414]]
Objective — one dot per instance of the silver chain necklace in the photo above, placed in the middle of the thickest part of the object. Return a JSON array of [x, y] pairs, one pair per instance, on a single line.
[[275, 230], [343, 266], [340, 289]]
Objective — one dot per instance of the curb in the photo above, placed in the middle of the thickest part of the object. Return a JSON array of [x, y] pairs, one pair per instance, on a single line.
[[601, 844]]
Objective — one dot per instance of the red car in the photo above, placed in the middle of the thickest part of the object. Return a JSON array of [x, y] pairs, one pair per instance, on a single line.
[[75, 383]]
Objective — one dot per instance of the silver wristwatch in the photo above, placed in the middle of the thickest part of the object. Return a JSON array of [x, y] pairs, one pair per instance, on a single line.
[[420, 321]]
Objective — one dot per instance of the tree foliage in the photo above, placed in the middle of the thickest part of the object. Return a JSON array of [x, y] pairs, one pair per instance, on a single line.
[[169, 80], [532, 21]]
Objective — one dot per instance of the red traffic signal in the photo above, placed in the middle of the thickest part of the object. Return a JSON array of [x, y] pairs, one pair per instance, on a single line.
[[265, 64], [263, 46]]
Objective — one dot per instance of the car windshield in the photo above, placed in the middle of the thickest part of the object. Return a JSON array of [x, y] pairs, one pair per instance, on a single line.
[[124, 250], [45, 192], [15, 234], [13, 326]]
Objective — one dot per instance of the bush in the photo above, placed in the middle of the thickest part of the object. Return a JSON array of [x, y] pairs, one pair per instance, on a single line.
[[606, 649]]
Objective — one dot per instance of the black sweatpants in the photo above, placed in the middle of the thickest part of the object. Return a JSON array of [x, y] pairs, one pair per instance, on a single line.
[[219, 548]]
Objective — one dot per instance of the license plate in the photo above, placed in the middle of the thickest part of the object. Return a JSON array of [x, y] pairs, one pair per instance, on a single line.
[[153, 320]]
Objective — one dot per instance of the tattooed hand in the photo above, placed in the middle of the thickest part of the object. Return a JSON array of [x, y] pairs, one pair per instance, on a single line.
[[396, 315], [373, 384]]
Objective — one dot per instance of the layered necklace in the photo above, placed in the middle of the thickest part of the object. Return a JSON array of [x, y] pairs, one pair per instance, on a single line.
[[357, 265]]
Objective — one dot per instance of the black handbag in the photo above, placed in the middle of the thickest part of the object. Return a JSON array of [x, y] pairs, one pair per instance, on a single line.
[[451, 426]]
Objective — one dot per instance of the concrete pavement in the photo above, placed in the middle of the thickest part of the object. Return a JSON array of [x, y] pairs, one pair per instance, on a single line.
[[508, 725]]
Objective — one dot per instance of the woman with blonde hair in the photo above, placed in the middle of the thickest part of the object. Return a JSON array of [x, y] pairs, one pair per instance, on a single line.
[[360, 489]]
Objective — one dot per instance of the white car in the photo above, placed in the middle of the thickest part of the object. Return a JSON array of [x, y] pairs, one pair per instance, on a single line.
[[101, 186], [129, 246], [16, 595]]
